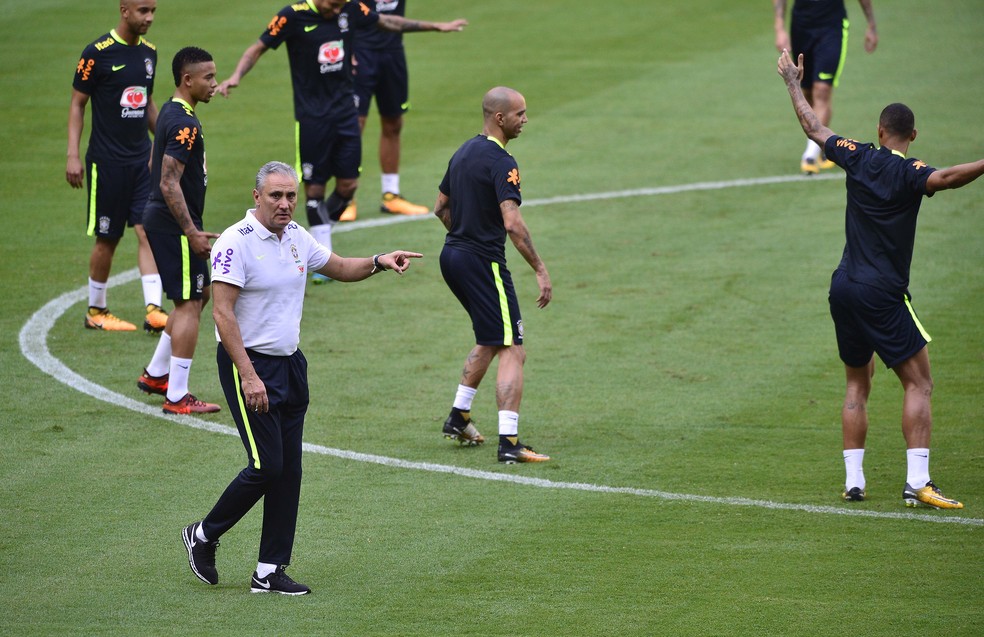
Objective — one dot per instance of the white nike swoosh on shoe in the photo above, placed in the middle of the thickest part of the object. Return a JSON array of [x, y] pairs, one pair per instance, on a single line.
[[265, 585]]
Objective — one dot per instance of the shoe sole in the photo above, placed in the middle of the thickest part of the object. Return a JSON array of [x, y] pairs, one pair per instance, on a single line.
[[185, 412], [191, 561], [519, 461], [149, 389], [265, 590], [100, 328], [462, 441], [915, 502], [150, 329]]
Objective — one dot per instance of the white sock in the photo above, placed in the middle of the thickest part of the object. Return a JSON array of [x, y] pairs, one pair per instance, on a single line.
[[263, 569], [853, 459], [463, 399], [391, 183], [200, 534], [160, 364], [508, 423], [177, 382], [812, 150], [97, 294], [152, 289], [917, 462], [322, 234]]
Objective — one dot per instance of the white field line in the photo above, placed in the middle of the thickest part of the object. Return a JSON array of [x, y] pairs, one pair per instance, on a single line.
[[34, 347]]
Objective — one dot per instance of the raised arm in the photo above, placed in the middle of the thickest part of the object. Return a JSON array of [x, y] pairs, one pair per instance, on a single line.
[[954, 176], [246, 62], [520, 236], [74, 170], [792, 74], [399, 24]]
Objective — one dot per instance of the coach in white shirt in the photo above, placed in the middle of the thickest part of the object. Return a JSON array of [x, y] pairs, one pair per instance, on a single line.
[[259, 270]]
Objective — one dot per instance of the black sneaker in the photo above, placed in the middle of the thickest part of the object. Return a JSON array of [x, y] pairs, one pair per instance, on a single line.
[[277, 582], [201, 555], [511, 454], [459, 427], [854, 494]]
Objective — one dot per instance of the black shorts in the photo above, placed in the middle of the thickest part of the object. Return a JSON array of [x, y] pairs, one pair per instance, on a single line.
[[868, 320], [328, 149], [485, 290], [117, 196], [183, 275], [823, 49], [383, 74]]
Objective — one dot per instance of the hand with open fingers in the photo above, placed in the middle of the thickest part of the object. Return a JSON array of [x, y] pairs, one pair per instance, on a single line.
[[398, 260], [789, 71]]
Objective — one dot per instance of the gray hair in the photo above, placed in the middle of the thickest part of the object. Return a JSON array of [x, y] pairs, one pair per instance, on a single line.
[[274, 168]]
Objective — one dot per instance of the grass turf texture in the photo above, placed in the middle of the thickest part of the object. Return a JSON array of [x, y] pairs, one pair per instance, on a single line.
[[688, 349]]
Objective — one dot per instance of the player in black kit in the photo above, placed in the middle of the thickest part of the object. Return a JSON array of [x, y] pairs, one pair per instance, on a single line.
[[381, 72], [173, 220], [819, 31], [478, 202], [116, 73], [869, 292], [319, 36]]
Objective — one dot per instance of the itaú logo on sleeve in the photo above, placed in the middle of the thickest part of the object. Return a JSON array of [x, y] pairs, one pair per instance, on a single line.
[[133, 101], [330, 55]]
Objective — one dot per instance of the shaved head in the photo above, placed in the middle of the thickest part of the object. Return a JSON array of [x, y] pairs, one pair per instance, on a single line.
[[499, 100]]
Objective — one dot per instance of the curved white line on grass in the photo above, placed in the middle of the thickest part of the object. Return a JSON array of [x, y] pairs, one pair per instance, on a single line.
[[34, 346]]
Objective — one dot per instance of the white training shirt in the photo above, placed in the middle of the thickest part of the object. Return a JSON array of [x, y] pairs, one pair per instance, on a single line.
[[271, 275]]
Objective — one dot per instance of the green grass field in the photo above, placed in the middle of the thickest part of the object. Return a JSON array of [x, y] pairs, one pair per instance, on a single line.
[[685, 378]]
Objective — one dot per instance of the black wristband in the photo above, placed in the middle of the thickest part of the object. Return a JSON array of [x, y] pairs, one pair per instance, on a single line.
[[376, 265]]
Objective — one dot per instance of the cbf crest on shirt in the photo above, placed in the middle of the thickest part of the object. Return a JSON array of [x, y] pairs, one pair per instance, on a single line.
[[320, 54], [119, 80]]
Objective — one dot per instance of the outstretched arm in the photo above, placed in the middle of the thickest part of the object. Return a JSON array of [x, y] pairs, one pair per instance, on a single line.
[[520, 236], [349, 269], [954, 176], [792, 74], [399, 24], [246, 62]]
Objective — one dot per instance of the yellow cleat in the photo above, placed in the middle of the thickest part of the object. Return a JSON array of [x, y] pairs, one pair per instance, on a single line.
[[350, 212], [99, 318], [520, 453], [396, 205], [826, 164], [928, 495], [156, 319], [809, 167]]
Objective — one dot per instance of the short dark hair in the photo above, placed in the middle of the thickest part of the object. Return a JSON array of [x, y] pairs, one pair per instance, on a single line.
[[186, 56], [898, 120]]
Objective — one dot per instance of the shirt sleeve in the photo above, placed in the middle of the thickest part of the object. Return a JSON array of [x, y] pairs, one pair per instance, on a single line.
[[505, 178], [228, 265], [916, 173], [85, 72], [181, 138], [362, 15], [279, 28]]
